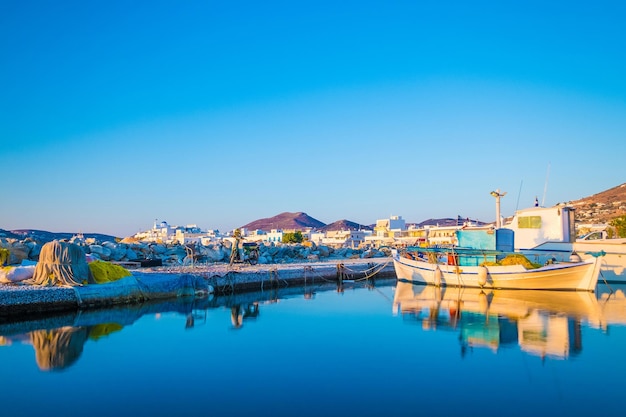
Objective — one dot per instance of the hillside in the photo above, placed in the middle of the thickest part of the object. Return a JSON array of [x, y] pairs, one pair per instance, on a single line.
[[602, 207], [597, 209], [344, 225], [285, 221], [448, 222], [42, 236]]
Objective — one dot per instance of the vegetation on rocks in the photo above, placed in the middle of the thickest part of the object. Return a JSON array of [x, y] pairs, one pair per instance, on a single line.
[[619, 225]]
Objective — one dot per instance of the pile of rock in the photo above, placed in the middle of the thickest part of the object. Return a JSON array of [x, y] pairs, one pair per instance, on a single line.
[[176, 254]]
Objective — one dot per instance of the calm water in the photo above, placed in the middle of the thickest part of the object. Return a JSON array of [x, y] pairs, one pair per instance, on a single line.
[[394, 349]]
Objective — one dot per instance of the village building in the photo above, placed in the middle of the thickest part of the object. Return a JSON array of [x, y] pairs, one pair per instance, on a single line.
[[340, 238], [161, 232]]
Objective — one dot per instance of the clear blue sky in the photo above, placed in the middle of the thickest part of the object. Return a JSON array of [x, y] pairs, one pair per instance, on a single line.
[[217, 113]]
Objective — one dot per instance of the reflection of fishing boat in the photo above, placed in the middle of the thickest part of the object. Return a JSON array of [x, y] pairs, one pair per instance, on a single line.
[[543, 323], [612, 300], [478, 268]]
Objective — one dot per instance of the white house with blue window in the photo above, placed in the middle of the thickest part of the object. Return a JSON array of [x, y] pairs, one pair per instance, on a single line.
[[275, 235]]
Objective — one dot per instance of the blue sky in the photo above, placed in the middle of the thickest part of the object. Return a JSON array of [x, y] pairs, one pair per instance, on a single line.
[[117, 113]]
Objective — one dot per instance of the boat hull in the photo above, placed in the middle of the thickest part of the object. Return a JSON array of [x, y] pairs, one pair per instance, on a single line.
[[613, 267], [579, 276]]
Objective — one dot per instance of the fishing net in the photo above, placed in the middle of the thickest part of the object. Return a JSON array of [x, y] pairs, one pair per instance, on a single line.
[[104, 272], [514, 259], [62, 263], [4, 256]]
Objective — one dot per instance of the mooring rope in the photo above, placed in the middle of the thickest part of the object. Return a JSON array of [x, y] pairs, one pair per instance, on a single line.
[[376, 268]]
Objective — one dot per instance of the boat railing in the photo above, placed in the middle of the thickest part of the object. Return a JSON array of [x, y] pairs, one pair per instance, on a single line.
[[454, 255]]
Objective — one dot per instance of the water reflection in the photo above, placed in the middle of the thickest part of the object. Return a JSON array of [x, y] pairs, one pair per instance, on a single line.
[[239, 313], [541, 323], [58, 340]]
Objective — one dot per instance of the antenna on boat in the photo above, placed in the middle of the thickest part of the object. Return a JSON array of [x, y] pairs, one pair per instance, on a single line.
[[545, 187], [518, 194]]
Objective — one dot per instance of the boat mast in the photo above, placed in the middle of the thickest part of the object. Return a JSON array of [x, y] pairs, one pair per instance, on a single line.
[[497, 194]]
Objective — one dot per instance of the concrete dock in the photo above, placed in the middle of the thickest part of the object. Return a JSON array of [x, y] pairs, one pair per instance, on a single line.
[[188, 281]]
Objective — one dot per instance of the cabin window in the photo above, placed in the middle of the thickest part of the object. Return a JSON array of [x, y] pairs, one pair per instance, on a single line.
[[529, 222]]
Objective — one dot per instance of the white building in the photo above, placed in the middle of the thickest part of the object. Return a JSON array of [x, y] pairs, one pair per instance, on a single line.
[[257, 235], [386, 231], [189, 234], [344, 238], [161, 232], [275, 235]]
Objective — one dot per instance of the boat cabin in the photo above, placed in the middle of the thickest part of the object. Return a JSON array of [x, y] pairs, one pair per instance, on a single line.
[[537, 225]]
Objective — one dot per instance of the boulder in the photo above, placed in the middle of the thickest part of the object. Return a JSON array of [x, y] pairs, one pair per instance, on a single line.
[[117, 251], [102, 252], [18, 253], [131, 255]]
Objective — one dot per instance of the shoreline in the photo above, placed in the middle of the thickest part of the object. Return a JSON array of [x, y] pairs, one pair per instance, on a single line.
[[199, 280]]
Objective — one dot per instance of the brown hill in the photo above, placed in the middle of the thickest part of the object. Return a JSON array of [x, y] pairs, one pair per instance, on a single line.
[[449, 222], [602, 207], [344, 225], [285, 221]]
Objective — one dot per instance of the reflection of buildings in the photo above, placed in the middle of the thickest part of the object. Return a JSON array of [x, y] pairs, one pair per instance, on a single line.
[[550, 334], [542, 323]]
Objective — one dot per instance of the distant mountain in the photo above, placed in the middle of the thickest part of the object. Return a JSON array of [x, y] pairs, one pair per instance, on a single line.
[[448, 222], [285, 220], [42, 236], [9, 234], [344, 225], [602, 207], [597, 208]]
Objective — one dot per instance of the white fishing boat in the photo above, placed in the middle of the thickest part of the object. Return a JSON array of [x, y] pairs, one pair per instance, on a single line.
[[547, 233], [478, 268]]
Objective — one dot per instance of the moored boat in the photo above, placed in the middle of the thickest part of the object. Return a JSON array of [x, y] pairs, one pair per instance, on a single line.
[[545, 233], [478, 268]]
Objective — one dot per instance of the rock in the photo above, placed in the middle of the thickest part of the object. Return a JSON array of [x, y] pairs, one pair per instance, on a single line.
[[131, 255], [117, 251], [35, 250], [214, 255], [324, 251], [158, 248], [273, 250], [101, 251], [17, 253]]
